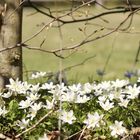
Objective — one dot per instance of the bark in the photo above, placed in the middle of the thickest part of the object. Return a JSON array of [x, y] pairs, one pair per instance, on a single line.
[[10, 35]]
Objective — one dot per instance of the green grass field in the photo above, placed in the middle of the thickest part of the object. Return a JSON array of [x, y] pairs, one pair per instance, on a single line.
[[122, 59]]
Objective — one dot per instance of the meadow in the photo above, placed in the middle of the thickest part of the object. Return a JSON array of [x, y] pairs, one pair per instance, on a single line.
[[122, 46], [37, 108]]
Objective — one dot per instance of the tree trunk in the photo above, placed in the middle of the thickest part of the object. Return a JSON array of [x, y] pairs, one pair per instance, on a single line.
[[10, 36]]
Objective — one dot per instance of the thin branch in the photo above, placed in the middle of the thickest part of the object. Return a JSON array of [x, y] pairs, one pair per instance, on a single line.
[[38, 32], [31, 14], [40, 11], [137, 55], [82, 63], [8, 17], [119, 30], [113, 11], [59, 18], [42, 50], [130, 5], [124, 10], [73, 135], [35, 125], [42, 42], [82, 133], [102, 36], [85, 41]]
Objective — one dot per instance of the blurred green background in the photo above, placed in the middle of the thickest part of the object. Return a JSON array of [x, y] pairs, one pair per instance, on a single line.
[[124, 44]]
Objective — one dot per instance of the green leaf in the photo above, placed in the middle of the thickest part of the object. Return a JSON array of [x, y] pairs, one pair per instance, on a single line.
[[13, 105], [13, 110]]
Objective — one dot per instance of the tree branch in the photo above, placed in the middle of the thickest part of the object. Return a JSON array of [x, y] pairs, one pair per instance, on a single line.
[[35, 125]]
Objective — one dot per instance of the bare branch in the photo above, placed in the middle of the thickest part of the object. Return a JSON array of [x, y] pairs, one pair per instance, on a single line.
[[81, 63], [38, 32], [21, 3], [113, 10], [137, 55], [102, 36], [35, 125], [85, 41], [82, 133]]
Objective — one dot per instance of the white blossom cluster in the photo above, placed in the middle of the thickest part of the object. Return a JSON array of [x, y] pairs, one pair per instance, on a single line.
[[37, 75], [106, 92]]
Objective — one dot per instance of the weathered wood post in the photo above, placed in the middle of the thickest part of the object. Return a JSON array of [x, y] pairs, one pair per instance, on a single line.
[[10, 36]]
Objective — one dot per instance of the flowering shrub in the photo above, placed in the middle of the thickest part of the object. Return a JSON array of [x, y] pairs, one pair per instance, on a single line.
[[106, 110]]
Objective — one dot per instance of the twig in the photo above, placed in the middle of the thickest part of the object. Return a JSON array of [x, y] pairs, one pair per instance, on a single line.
[[73, 135], [76, 65], [67, 48], [38, 32], [8, 17], [82, 133], [137, 55], [114, 10], [59, 18], [100, 15], [35, 125], [102, 36]]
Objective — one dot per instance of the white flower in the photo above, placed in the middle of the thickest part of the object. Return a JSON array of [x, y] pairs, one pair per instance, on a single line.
[[138, 79], [3, 111], [75, 88], [67, 117], [69, 96], [97, 90], [49, 105], [7, 95], [93, 120], [36, 106], [25, 104], [32, 96], [48, 86], [82, 98], [61, 87], [23, 123], [33, 110], [18, 86], [25, 87], [87, 88], [102, 98], [111, 96], [15, 86], [117, 94], [59, 91], [117, 129], [38, 75], [35, 88], [107, 105], [133, 91], [45, 137], [56, 94], [119, 83], [105, 85], [124, 102]]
